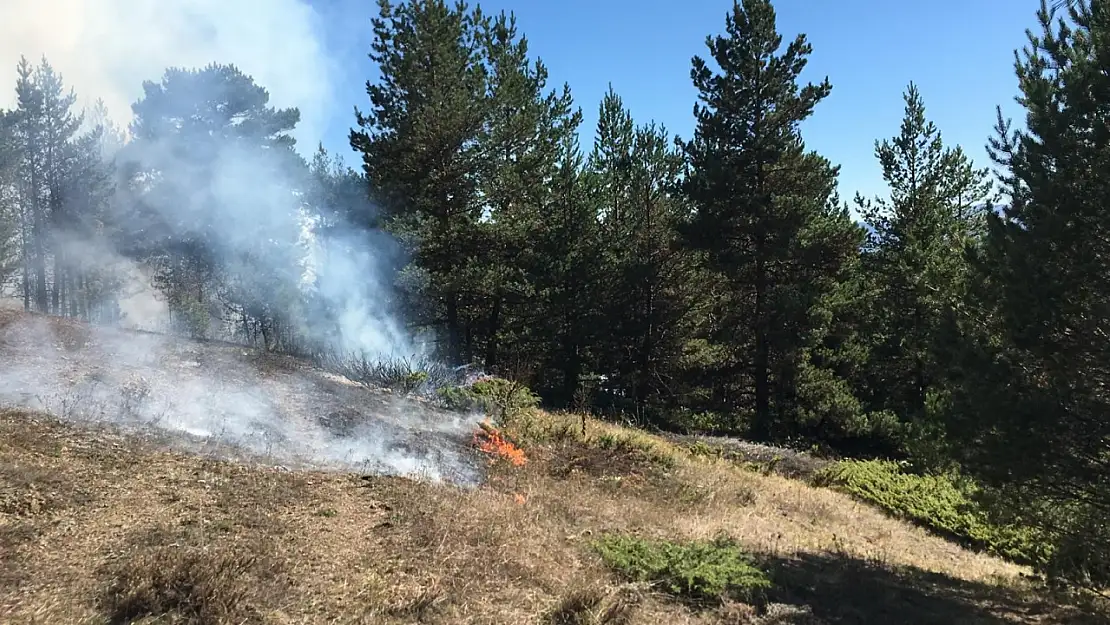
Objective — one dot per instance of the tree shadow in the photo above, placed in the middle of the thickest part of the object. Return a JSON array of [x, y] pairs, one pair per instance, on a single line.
[[841, 590]]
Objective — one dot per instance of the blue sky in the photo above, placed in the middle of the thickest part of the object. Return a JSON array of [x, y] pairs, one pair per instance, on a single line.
[[959, 52]]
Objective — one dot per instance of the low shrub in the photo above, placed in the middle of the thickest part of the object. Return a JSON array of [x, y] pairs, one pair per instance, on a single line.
[[498, 397], [636, 444], [945, 504], [408, 376], [695, 571]]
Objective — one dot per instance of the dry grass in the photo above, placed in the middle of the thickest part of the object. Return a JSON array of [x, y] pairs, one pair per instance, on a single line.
[[97, 528]]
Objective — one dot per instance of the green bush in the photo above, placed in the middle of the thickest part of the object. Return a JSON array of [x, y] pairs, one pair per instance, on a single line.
[[699, 570], [500, 397], [945, 504]]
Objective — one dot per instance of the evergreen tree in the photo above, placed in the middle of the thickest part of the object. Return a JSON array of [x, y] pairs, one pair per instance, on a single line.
[[568, 320], [915, 268], [32, 194], [54, 164], [60, 126], [647, 276], [199, 135], [422, 152], [9, 207], [1037, 423], [765, 215], [522, 144]]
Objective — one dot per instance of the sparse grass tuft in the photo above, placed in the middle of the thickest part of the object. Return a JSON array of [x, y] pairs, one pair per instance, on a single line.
[[189, 586], [414, 375], [593, 606], [943, 504], [696, 571]]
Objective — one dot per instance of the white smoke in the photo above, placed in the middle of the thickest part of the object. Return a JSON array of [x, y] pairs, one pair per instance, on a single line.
[[214, 397], [106, 48]]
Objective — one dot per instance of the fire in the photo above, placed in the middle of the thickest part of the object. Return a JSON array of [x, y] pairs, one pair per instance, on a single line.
[[490, 441]]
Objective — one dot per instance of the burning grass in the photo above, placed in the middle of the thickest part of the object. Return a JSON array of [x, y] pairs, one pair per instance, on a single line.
[[130, 531], [490, 441]]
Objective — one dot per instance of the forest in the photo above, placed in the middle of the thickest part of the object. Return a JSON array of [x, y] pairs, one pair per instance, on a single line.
[[715, 283]]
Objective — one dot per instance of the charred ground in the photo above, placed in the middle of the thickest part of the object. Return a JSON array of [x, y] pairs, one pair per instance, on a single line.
[[271, 406]]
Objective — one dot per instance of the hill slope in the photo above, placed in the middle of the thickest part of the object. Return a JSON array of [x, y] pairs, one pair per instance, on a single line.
[[271, 406], [103, 524]]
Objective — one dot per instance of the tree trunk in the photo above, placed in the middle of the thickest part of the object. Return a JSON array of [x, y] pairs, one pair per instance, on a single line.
[[58, 296], [454, 334], [38, 265], [761, 426], [494, 328]]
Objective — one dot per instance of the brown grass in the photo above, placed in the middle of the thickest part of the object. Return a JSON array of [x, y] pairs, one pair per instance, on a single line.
[[127, 532]]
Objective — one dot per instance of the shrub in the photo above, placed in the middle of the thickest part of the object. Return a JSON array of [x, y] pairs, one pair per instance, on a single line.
[[945, 504], [499, 397], [407, 376], [698, 571], [190, 587]]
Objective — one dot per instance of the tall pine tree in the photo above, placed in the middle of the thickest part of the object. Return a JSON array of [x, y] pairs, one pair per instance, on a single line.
[[522, 144], [765, 214], [1037, 424], [422, 153], [915, 268]]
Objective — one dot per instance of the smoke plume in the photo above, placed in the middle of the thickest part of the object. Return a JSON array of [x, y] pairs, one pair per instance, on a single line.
[[106, 48], [250, 208]]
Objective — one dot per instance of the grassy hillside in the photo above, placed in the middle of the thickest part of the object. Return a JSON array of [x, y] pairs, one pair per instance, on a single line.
[[613, 527]]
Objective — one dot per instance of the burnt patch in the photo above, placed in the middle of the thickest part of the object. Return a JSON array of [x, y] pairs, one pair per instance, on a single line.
[[571, 458], [342, 422]]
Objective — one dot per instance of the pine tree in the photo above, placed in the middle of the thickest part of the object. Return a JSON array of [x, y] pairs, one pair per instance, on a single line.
[[521, 145], [761, 200], [60, 126], [1037, 423], [915, 265], [198, 135], [50, 153], [567, 319], [421, 150], [9, 207], [32, 172], [647, 276]]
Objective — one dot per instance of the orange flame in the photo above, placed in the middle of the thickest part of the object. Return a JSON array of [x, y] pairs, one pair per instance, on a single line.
[[491, 442]]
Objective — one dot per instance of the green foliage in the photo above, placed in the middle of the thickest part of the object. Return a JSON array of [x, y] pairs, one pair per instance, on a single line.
[[698, 571], [914, 272], [1033, 419], [502, 398], [947, 504], [767, 221]]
